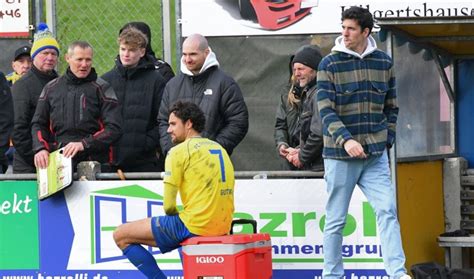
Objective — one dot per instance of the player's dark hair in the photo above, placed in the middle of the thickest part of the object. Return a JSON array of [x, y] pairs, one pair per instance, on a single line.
[[189, 111]]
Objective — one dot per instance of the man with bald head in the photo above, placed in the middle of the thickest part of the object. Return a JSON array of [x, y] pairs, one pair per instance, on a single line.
[[217, 94]]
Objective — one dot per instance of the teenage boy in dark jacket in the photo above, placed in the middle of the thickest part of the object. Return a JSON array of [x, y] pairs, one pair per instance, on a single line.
[[139, 87], [161, 66], [77, 111]]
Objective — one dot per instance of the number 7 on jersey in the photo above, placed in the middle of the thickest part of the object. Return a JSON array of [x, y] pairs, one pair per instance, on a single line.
[[218, 152]]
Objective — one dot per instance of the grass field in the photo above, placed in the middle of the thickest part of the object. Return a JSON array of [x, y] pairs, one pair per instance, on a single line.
[[98, 22]]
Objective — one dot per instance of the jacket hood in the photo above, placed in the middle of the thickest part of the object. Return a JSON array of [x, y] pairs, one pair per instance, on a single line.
[[210, 61], [341, 47]]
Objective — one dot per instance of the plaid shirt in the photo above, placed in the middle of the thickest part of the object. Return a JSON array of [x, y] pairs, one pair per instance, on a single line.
[[357, 100]]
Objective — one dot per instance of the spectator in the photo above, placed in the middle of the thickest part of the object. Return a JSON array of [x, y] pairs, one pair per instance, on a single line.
[[6, 121], [163, 68], [309, 153], [217, 94], [77, 111], [287, 130], [25, 92], [358, 106], [201, 171], [139, 88], [21, 64]]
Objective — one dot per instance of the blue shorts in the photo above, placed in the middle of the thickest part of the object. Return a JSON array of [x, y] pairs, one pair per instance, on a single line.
[[169, 232]]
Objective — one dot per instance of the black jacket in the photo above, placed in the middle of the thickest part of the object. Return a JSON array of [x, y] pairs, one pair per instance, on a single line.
[[221, 100], [77, 110], [6, 121], [311, 136], [287, 129], [139, 91], [25, 93]]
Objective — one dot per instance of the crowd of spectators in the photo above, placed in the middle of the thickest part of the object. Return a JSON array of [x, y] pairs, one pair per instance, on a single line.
[[119, 119], [338, 114]]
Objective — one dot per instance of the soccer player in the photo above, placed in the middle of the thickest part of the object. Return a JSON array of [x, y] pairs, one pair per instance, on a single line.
[[201, 171]]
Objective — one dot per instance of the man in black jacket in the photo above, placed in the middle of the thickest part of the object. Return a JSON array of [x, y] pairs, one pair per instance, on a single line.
[[77, 111], [6, 121], [139, 88], [26, 91], [217, 94], [309, 153]]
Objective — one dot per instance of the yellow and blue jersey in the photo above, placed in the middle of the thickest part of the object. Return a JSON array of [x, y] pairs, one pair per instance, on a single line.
[[203, 174]]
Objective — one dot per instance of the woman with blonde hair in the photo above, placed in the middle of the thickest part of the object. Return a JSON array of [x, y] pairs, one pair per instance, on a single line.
[[287, 130]]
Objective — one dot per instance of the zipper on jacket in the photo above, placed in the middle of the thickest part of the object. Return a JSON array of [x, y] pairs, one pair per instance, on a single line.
[[82, 106]]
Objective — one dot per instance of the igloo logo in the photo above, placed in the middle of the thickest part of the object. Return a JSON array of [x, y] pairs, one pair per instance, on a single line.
[[210, 260]]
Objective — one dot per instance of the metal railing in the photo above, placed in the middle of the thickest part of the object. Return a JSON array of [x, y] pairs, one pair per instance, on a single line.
[[159, 175]]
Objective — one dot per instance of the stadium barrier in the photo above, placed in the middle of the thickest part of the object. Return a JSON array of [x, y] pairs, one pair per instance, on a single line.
[[70, 233]]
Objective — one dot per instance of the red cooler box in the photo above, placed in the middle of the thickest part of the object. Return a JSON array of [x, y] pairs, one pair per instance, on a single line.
[[237, 256]]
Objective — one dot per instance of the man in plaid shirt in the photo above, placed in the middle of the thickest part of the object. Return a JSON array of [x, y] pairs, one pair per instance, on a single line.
[[358, 107]]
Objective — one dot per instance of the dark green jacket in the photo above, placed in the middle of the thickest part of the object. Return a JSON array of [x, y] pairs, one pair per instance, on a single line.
[[287, 130]]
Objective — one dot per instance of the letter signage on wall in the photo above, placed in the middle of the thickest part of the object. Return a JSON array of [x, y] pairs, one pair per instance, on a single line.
[[255, 17], [19, 244], [14, 18]]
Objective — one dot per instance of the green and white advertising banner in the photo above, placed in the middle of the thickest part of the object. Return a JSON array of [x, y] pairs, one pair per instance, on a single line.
[[97, 208], [291, 211], [19, 243]]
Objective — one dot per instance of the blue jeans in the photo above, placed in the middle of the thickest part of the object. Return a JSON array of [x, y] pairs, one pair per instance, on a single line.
[[373, 177]]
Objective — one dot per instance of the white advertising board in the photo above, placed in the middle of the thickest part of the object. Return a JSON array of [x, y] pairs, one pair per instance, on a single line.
[[290, 210], [14, 18], [255, 17]]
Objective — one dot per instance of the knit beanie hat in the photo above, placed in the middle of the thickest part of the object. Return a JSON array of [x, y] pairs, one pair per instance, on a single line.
[[309, 55], [43, 39]]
